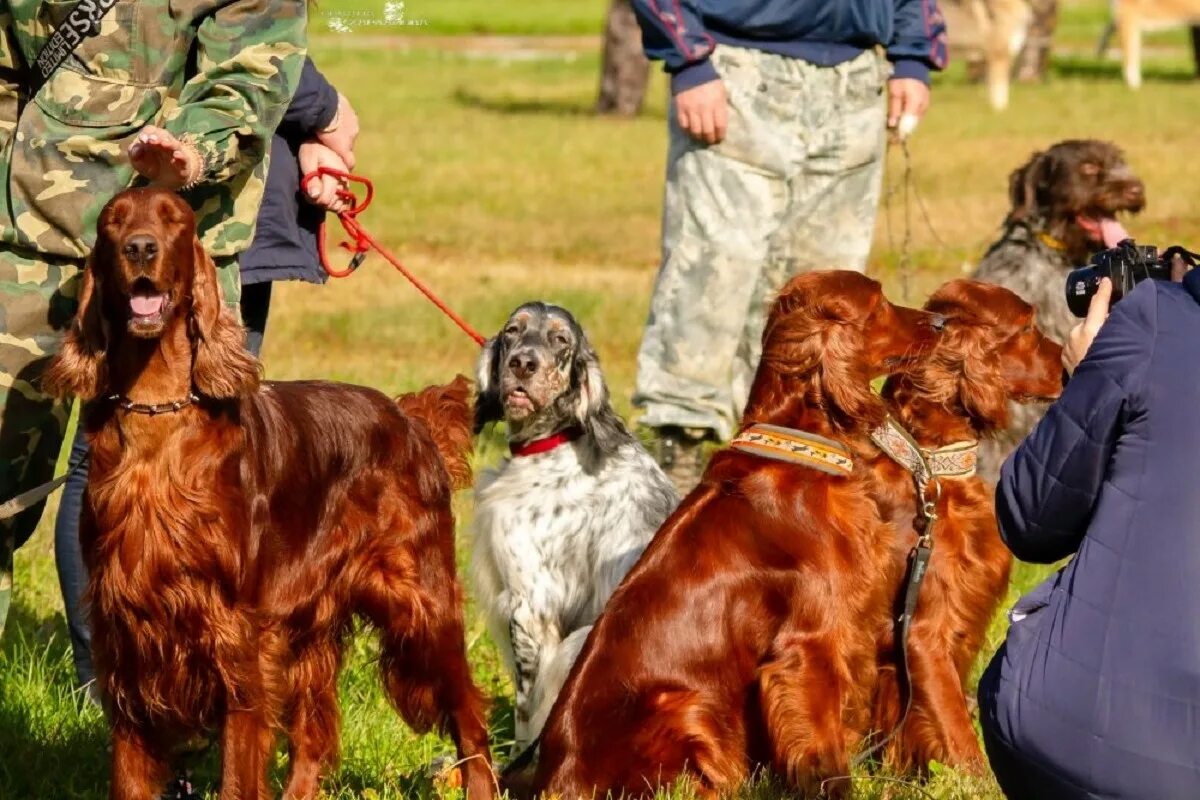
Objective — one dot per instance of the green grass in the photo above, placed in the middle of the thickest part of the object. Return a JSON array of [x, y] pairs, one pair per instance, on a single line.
[[497, 186]]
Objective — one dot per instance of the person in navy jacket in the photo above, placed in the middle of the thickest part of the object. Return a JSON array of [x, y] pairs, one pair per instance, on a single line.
[[1096, 691], [777, 132]]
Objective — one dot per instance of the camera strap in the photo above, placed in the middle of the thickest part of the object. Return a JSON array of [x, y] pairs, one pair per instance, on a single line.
[[82, 23]]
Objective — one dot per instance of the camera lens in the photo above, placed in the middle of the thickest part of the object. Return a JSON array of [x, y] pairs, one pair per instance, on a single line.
[[1081, 285]]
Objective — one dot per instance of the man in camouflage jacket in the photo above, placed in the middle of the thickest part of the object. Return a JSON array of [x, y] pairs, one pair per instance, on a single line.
[[777, 130], [188, 91]]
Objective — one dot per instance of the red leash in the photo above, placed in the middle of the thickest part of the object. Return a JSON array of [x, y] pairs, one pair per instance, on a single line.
[[361, 242]]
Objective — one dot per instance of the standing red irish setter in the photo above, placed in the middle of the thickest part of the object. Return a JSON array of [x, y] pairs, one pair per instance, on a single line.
[[233, 529], [739, 639], [991, 353]]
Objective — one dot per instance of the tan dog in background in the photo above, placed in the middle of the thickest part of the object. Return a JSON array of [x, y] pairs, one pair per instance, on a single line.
[[990, 35], [1132, 17]]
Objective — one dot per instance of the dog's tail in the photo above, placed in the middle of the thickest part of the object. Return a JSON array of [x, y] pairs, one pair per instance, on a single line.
[[446, 413]]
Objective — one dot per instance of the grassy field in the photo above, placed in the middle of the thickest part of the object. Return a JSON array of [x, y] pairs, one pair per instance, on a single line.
[[497, 186]]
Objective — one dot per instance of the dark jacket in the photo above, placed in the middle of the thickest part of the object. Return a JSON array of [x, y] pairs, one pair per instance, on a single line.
[[285, 241], [1098, 683], [683, 33]]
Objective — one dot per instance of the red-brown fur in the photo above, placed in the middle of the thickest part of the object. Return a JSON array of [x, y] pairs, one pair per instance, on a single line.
[[991, 353], [737, 639], [230, 543]]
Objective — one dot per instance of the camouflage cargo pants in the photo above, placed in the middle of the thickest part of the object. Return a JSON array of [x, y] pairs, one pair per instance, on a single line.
[[38, 298], [794, 187]]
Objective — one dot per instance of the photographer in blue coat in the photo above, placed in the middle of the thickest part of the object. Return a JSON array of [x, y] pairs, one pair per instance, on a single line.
[[1096, 692]]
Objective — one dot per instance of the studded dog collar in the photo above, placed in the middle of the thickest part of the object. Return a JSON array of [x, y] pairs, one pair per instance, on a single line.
[[153, 409], [796, 447]]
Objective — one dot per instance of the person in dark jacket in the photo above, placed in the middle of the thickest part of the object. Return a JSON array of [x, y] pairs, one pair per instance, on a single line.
[[1096, 691], [777, 135], [318, 129]]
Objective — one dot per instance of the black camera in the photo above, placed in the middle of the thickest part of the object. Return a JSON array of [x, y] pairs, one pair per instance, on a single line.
[[1127, 265]]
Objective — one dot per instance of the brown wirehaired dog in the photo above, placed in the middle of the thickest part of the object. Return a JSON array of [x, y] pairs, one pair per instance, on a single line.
[[991, 354], [232, 529], [1064, 207], [738, 638]]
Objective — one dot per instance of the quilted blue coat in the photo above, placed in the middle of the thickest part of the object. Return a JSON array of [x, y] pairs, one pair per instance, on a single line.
[[1096, 692]]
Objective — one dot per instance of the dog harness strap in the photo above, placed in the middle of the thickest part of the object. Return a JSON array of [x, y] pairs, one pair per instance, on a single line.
[[535, 446], [796, 447], [152, 409]]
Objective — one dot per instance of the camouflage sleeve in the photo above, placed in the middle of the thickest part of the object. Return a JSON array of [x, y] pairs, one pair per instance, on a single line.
[[249, 54], [10, 72]]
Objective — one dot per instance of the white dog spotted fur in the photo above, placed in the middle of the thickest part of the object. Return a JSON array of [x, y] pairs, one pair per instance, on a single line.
[[558, 527]]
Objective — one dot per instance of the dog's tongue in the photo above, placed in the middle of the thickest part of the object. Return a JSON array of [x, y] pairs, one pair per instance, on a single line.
[[1107, 230], [1112, 232], [145, 305]]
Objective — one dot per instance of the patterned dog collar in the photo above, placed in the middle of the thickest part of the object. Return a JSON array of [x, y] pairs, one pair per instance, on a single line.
[[957, 460], [796, 447]]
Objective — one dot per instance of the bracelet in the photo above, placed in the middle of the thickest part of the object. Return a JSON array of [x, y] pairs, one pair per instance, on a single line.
[[195, 158]]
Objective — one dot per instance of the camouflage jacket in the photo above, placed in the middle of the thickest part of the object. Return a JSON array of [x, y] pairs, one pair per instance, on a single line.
[[218, 72]]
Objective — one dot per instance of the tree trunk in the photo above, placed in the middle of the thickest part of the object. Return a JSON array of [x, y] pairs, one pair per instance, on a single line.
[[625, 69], [1196, 46], [1035, 55]]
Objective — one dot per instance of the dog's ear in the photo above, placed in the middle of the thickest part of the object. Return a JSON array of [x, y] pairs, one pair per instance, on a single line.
[[982, 388], [222, 367], [1024, 186], [592, 408], [80, 368], [845, 382], [489, 406]]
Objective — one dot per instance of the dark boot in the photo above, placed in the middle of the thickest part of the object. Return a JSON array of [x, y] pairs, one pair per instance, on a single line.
[[680, 453]]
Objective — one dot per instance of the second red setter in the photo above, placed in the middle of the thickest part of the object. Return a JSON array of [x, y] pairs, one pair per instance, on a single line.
[[990, 355]]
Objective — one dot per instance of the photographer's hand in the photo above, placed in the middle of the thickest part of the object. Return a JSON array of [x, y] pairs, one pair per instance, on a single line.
[[1081, 336]]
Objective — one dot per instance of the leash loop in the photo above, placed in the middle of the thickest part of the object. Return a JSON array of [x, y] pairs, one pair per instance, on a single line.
[[361, 242]]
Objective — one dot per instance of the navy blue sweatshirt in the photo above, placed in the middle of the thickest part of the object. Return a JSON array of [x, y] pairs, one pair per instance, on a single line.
[[285, 236], [683, 33]]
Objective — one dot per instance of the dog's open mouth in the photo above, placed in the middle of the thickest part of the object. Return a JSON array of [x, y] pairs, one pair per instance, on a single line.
[[518, 399], [147, 305], [1107, 230]]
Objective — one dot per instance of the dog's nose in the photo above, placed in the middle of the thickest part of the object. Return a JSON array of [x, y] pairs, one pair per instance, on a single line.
[[1136, 193], [523, 365], [141, 248]]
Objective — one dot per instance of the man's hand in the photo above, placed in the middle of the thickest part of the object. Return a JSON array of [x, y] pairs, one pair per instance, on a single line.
[[704, 111], [164, 160], [344, 130], [322, 191], [1081, 336], [907, 97]]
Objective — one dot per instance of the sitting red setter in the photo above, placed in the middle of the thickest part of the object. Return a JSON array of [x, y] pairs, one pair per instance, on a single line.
[[232, 530], [991, 353], [738, 638]]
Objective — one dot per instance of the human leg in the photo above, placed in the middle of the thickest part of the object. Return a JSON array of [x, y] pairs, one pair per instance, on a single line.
[[255, 304], [721, 204], [37, 302], [829, 219]]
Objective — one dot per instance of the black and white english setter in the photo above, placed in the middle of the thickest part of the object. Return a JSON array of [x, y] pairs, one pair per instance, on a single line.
[[560, 523]]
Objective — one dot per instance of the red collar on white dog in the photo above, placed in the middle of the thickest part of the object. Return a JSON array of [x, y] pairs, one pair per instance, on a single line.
[[532, 448]]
